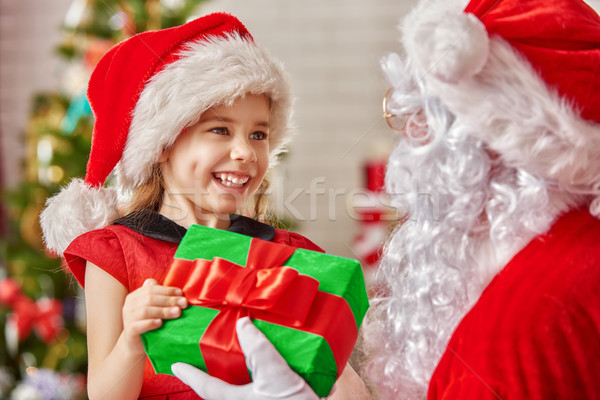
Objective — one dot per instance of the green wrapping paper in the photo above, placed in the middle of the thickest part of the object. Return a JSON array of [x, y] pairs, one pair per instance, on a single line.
[[339, 283]]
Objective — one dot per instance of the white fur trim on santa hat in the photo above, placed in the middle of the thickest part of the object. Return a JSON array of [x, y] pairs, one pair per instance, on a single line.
[[448, 45], [213, 71], [76, 209], [512, 109]]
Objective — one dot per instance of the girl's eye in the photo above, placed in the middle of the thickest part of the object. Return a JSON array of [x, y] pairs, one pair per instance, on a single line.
[[220, 131], [258, 135]]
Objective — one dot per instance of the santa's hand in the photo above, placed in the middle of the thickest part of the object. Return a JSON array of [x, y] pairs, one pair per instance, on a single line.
[[272, 377]]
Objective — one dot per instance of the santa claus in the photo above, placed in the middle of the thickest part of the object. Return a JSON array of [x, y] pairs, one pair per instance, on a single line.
[[493, 278]]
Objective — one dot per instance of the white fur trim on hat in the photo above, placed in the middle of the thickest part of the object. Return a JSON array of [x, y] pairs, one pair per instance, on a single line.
[[75, 210], [212, 71], [449, 46], [512, 109]]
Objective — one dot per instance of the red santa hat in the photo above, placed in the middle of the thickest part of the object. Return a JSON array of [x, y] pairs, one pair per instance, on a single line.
[[523, 75], [144, 92]]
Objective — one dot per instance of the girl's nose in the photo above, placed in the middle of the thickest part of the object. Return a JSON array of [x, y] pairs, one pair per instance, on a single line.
[[243, 151]]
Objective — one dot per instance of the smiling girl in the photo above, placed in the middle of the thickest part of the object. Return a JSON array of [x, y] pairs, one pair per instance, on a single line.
[[190, 119]]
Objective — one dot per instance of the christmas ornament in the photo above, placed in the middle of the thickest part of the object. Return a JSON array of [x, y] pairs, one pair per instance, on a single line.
[[45, 384], [43, 316], [79, 108]]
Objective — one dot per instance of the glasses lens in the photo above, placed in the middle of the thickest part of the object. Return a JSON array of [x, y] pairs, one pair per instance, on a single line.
[[396, 122]]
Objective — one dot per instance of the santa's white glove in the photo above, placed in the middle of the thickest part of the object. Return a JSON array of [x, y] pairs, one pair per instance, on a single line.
[[272, 376]]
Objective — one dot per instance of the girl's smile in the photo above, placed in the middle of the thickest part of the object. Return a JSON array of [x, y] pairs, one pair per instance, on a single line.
[[218, 163], [231, 179]]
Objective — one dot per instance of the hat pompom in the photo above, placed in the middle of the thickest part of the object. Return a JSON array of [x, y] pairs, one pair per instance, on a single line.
[[451, 47], [75, 210]]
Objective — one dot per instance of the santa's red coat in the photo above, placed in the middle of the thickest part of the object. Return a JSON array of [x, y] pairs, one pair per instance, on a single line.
[[535, 331]]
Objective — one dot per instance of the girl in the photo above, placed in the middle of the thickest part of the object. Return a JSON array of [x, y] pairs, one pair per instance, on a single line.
[[189, 118]]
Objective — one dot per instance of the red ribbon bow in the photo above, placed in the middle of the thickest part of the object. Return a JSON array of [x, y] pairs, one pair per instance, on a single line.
[[264, 290], [45, 315]]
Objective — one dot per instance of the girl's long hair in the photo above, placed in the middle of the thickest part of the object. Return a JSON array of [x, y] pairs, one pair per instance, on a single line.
[[149, 195]]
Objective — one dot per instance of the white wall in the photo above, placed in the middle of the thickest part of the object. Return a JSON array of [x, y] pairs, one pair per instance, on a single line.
[[595, 4], [29, 32]]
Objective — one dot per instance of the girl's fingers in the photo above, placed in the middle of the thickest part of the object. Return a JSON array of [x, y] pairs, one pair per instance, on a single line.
[[156, 295], [167, 290], [160, 312], [145, 325], [168, 301], [149, 282], [142, 320], [163, 290], [159, 300], [155, 288], [152, 302]]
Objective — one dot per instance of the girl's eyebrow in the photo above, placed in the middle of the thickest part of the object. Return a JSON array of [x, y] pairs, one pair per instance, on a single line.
[[226, 120]]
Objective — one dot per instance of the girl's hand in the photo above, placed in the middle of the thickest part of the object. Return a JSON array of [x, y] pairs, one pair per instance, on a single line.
[[146, 307]]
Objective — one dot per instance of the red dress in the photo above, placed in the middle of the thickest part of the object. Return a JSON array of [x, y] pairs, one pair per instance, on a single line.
[[535, 331], [132, 252]]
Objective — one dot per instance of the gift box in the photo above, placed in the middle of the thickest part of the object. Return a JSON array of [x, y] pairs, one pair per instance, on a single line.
[[308, 304]]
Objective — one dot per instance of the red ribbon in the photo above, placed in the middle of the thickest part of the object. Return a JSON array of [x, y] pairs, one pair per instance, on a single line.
[[45, 315], [264, 290]]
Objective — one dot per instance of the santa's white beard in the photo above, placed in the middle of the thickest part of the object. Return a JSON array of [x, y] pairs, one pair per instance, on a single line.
[[467, 215]]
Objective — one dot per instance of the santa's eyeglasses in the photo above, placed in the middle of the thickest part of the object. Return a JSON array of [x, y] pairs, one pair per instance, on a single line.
[[412, 125], [396, 122]]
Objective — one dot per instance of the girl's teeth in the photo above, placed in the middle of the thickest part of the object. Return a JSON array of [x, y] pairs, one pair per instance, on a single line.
[[231, 181]]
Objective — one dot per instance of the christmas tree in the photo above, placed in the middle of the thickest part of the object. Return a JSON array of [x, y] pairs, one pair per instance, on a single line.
[[43, 348]]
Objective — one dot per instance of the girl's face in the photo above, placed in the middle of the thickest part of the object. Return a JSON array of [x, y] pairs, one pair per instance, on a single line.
[[218, 163]]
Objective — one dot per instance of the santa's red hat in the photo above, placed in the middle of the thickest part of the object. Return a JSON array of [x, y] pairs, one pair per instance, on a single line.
[[144, 92], [523, 75]]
